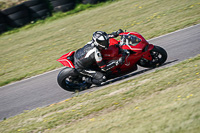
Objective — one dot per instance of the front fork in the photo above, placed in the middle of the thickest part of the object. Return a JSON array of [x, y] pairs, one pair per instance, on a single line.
[[147, 55]]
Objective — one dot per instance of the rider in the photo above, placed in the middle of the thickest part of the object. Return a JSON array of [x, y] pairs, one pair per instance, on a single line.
[[91, 53]]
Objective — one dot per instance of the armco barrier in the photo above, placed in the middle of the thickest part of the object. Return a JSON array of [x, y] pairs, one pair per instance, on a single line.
[[16, 16], [38, 9], [32, 10], [90, 1], [62, 5], [3, 25]]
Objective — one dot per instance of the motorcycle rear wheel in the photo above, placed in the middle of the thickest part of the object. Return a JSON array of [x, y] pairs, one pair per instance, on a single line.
[[159, 56], [70, 80]]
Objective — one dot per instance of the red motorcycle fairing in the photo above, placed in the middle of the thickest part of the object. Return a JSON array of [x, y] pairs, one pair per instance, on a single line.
[[112, 53], [65, 61], [138, 50], [142, 49], [113, 41], [147, 54]]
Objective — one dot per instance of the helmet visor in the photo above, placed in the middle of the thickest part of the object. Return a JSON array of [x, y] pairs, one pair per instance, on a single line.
[[103, 43]]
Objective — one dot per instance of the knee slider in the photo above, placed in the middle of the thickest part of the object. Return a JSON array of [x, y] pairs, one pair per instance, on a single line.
[[99, 78]]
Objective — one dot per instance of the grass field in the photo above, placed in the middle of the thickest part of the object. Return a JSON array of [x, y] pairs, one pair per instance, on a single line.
[[34, 50], [149, 103]]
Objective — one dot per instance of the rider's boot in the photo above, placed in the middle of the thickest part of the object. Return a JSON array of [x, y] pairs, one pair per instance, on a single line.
[[93, 81], [89, 80]]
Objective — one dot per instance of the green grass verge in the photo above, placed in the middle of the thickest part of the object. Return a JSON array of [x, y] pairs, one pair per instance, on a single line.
[[148, 103], [34, 50]]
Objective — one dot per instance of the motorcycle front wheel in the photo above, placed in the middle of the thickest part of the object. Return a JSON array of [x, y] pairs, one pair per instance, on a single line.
[[159, 56], [70, 80]]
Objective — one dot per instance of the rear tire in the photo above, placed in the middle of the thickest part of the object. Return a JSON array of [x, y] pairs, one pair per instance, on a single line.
[[70, 80], [159, 56]]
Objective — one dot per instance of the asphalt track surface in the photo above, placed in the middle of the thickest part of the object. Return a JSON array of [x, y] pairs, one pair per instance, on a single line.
[[43, 90]]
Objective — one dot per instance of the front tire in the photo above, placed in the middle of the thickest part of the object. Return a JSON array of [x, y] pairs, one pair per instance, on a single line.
[[159, 56], [70, 80]]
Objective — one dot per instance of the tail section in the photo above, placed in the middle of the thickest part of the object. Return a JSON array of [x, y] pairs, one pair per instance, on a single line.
[[67, 59]]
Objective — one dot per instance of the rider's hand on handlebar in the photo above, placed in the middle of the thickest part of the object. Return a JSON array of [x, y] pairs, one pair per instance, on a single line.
[[116, 33], [119, 31]]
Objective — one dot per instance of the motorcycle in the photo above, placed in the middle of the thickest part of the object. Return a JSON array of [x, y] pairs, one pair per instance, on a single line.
[[138, 52]]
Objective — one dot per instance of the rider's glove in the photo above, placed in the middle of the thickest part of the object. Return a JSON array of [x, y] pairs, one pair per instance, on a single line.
[[116, 33], [120, 61], [119, 31]]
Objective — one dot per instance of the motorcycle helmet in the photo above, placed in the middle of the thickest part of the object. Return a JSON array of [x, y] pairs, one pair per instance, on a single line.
[[101, 39]]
